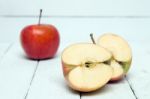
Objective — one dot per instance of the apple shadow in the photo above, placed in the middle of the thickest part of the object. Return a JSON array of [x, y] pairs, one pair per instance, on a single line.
[[100, 91], [61, 83], [128, 76], [64, 85], [108, 88], [27, 58], [71, 90], [115, 82]]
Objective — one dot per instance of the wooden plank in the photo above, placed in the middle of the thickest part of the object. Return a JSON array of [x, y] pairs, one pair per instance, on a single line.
[[16, 72], [49, 78], [17, 77], [139, 74], [119, 90], [49, 82], [76, 7]]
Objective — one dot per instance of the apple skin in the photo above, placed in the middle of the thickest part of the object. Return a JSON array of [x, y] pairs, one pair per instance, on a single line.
[[66, 69], [40, 41], [126, 66]]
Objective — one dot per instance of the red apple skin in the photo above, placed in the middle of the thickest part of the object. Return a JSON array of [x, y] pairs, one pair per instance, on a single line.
[[66, 69], [40, 41]]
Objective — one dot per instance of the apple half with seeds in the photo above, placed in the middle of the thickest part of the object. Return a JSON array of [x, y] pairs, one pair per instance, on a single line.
[[121, 54], [85, 66]]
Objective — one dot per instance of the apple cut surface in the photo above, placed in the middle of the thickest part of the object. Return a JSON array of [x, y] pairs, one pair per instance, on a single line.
[[121, 53], [85, 68], [117, 45], [89, 79], [80, 53], [118, 70]]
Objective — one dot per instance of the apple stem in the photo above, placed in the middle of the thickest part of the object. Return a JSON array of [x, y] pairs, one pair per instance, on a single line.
[[92, 38], [40, 17]]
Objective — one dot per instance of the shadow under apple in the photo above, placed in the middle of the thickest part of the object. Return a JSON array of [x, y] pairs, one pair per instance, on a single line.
[[106, 90]]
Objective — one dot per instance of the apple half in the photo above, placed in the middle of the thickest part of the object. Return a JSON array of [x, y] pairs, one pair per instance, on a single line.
[[85, 66], [121, 54]]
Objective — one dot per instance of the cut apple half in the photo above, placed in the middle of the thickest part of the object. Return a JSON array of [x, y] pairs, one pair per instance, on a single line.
[[85, 66], [121, 53]]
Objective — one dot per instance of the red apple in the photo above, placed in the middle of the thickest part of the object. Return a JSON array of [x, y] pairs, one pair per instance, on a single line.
[[40, 41]]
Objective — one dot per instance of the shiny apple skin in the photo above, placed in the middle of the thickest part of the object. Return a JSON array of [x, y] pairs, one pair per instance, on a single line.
[[40, 41]]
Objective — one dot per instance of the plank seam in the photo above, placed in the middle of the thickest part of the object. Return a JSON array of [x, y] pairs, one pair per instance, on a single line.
[[26, 95], [133, 91], [78, 16], [7, 49]]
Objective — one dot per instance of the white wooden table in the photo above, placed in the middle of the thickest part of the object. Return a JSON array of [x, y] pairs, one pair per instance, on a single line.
[[21, 78]]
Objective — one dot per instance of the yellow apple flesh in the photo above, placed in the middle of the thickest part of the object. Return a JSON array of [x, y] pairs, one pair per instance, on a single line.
[[85, 68]]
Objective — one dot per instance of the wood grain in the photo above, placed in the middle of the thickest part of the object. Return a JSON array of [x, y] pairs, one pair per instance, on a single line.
[[16, 72], [4, 47], [21, 78], [118, 90], [139, 74], [49, 82]]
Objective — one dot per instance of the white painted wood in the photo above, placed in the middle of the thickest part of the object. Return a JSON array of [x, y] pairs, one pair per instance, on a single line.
[[49, 82], [139, 74], [70, 28], [76, 7], [119, 90], [15, 74]]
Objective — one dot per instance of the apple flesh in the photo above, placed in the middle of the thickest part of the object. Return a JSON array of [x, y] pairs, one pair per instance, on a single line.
[[118, 71], [121, 53], [40, 41], [85, 66]]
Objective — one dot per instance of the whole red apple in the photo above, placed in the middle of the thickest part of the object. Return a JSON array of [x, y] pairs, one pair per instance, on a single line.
[[40, 41]]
